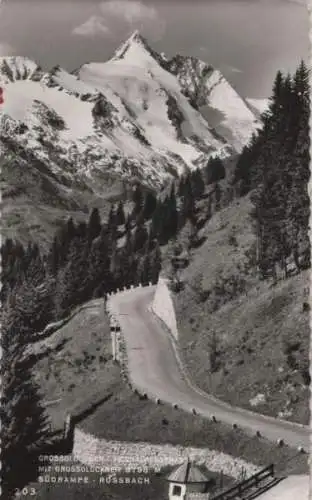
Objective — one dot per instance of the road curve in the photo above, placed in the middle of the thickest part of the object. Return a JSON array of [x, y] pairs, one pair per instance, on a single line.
[[154, 369]]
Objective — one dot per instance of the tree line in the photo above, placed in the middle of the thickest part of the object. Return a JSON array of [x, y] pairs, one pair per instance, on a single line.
[[274, 167], [87, 259]]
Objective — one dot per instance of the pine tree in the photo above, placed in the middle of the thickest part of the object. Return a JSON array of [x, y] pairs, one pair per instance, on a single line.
[[215, 170], [120, 214], [72, 284], [145, 270], [128, 261], [181, 186], [64, 237], [172, 215], [209, 206], [198, 184], [94, 225], [150, 203], [280, 171], [140, 237], [188, 208], [54, 257], [97, 276], [112, 226], [24, 421], [138, 200], [157, 220], [35, 271], [218, 194], [128, 222]]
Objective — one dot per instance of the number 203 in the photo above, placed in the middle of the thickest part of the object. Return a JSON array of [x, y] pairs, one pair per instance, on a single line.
[[27, 491]]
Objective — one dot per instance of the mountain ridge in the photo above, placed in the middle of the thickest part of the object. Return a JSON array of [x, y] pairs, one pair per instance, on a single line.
[[138, 116]]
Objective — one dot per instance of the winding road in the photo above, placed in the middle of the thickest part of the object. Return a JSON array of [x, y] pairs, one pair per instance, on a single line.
[[155, 369]]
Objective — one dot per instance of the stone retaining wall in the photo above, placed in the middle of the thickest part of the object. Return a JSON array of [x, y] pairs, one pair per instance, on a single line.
[[91, 450], [163, 307]]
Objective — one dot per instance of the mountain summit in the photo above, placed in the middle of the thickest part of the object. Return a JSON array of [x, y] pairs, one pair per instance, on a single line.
[[136, 38], [137, 51]]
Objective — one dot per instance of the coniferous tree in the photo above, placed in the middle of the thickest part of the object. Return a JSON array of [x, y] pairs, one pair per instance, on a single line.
[[209, 206], [128, 260], [54, 257], [149, 242], [64, 236], [172, 214], [188, 208], [72, 284], [35, 271], [198, 184], [140, 237], [24, 423], [128, 222], [181, 186], [112, 223], [215, 170], [157, 220], [138, 200], [280, 173], [217, 196], [145, 270], [94, 225], [120, 214], [99, 279], [150, 203]]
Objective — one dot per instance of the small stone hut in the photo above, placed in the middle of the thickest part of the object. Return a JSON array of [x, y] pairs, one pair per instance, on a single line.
[[188, 480]]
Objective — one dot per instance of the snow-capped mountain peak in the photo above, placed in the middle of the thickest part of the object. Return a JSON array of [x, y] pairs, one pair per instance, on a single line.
[[137, 37], [136, 51], [137, 115]]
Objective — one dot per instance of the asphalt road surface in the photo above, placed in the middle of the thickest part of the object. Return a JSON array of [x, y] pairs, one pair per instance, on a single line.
[[154, 369]]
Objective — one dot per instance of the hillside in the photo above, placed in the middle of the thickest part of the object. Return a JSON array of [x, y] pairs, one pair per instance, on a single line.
[[36, 201], [244, 340]]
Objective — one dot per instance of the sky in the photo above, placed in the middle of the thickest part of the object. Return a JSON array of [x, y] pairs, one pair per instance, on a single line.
[[248, 40]]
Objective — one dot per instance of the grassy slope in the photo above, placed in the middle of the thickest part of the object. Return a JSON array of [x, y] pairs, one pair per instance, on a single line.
[[250, 327], [77, 367]]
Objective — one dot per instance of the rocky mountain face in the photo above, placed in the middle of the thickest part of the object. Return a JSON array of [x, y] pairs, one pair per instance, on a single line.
[[138, 116]]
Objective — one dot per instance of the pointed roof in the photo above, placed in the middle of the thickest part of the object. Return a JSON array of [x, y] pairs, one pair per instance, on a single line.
[[188, 473]]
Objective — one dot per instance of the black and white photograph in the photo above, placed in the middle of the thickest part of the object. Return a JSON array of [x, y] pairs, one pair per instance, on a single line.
[[155, 279]]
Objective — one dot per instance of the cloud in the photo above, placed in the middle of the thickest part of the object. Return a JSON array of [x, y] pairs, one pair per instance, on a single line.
[[134, 15], [229, 68], [94, 26], [234, 70], [130, 11]]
